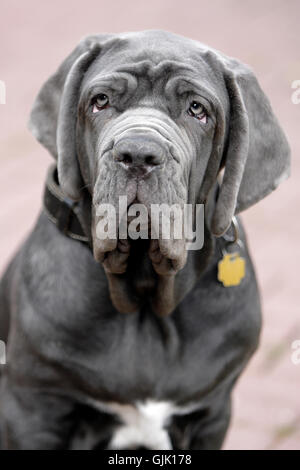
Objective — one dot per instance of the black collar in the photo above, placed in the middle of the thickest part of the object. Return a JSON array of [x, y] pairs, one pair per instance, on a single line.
[[61, 210]]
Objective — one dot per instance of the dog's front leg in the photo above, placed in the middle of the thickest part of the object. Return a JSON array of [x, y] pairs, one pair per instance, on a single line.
[[33, 419]]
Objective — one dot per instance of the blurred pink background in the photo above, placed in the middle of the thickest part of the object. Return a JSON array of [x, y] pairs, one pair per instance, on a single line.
[[36, 36]]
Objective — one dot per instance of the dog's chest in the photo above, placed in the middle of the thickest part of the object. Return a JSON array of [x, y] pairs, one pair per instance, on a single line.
[[142, 425]]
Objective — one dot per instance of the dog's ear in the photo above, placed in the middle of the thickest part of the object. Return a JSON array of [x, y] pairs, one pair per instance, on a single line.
[[53, 117], [257, 155]]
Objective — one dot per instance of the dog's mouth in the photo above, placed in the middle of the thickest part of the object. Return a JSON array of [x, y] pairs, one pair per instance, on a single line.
[[137, 236]]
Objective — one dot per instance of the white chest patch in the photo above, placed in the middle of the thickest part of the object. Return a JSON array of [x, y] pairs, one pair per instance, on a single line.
[[143, 424]]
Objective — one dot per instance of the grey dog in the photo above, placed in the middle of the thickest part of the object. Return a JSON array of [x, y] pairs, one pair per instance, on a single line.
[[122, 344]]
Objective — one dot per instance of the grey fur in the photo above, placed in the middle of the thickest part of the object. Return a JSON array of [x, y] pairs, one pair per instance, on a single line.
[[185, 338]]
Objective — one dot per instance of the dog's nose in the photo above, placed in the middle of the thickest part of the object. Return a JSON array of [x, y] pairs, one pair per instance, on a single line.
[[139, 154]]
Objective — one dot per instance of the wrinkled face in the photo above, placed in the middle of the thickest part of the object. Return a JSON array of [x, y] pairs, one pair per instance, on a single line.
[[153, 117], [145, 124]]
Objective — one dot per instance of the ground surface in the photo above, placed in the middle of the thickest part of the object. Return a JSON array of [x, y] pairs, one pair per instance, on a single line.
[[35, 36]]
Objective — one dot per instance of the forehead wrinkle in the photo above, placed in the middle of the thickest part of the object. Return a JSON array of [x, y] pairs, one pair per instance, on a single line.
[[114, 77], [152, 70], [198, 85]]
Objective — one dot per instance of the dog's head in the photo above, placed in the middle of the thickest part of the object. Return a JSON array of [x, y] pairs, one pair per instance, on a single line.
[[156, 117]]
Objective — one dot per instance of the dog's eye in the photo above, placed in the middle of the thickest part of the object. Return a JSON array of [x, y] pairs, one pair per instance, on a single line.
[[100, 102], [198, 111]]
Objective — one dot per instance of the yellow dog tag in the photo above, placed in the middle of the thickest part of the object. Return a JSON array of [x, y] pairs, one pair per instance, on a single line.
[[231, 269]]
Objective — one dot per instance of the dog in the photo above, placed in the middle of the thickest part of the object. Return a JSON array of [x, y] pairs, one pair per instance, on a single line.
[[137, 344]]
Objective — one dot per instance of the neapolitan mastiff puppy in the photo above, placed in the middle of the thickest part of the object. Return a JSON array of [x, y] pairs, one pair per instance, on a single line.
[[136, 343]]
